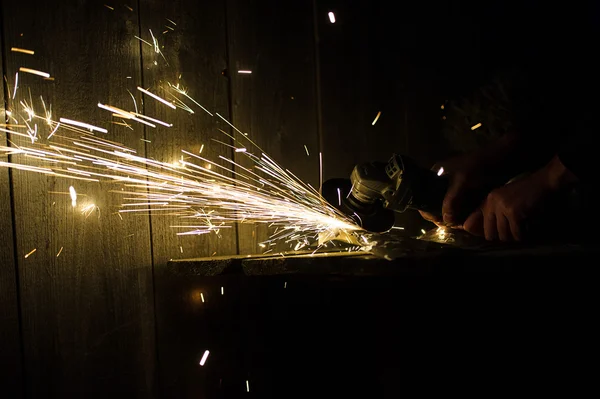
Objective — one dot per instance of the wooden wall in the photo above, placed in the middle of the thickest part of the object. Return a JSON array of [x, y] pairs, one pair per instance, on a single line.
[[83, 323]]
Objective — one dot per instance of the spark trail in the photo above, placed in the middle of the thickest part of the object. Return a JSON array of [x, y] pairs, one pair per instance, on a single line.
[[206, 195]]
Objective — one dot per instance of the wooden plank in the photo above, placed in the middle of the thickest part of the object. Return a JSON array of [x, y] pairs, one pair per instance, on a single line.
[[10, 340], [372, 60], [86, 291], [276, 104], [191, 37]]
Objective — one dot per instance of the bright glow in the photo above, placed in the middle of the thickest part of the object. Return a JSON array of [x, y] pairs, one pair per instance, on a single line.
[[477, 126], [202, 296], [245, 71], [441, 171], [83, 125], [247, 386], [30, 253], [222, 291], [204, 357], [22, 50], [34, 72], [73, 195], [376, 118], [423, 231], [331, 17], [154, 96]]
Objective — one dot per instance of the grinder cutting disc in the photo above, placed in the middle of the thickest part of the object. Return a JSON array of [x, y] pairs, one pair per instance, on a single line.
[[372, 217]]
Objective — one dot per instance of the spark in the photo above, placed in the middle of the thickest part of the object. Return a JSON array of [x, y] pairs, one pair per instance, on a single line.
[[59, 252], [202, 297], [320, 172], [129, 8], [331, 17], [240, 150], [30, 253], [134, 102], [285, 284], [16, 85], [397, 228], [22, 50], [201, 148], [476, 126], [247, 386], [306, 148], [423, 231], [222, 291], [204, 357], [143, 41], [180, 247], [339, 197], [83, 125], [162, 100], [171, 21], [441, 171], [89, 209], [73, 195], [34, 72], [153, 120], [109, 7], [244, 71], [442, 107], [376, 118]]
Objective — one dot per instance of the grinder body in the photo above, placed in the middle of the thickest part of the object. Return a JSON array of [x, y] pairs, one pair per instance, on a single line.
[[377, 189]]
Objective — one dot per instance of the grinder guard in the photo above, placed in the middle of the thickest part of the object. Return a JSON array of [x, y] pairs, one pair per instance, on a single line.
[[376, 189]]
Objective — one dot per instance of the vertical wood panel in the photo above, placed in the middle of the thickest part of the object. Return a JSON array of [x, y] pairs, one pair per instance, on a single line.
[[191, 36], [194, 52], [276, 104], [10, 341], [87, 314], [374, 59]]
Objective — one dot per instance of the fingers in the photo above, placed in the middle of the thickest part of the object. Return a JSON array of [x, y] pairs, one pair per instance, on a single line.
[[489, 225], [429, 217], [515, 229], [452, 201], [503, 228], [474, 223]]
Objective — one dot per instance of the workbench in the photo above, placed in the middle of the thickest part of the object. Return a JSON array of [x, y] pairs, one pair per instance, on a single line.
[[355, 324]]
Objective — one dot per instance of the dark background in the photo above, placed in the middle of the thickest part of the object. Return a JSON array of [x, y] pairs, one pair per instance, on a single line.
[[84, 324]]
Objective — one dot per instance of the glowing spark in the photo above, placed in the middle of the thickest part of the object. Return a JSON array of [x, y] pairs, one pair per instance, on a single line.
[[240, 150], [423, 231], [306, 148], [201, 148], [285, 284], [245, 71], [331, 17], [204, 357], [476, 126], [182, 91], [320, 172], [34, 72], [339, 197], [73, 195], [143, 41], [83, 125], [153, 120], [59, 252], [129, 8], [202, 297], [109, 7], [442, 107], [441, 171], [222, 291], [22, 50], [89, 209], [247, 386], [134, 102], [30, 253], [171, 21], [162, 100], [376, 118], [397, 228], [16, 85], [180, 247]]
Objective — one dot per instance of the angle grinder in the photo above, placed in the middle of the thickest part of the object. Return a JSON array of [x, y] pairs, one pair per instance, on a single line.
[[376, 190]]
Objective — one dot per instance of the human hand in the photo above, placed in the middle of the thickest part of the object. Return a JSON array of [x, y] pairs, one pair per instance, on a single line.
[[504, 213]]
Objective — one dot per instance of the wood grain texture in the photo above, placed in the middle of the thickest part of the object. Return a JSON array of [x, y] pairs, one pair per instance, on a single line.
[[10, 340], [194, 50], [276, 104], [88, 322]]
